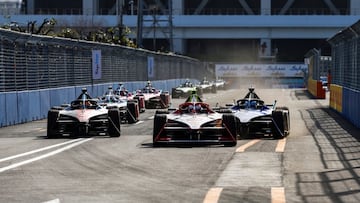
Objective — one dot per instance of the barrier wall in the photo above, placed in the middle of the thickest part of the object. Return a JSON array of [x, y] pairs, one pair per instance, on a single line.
[[26, 106], [315, 88], [351, 105], [336, 95]]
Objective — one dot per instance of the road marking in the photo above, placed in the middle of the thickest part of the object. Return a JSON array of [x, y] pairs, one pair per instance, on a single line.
[[242, 148], [151, 117], [139, 122], [213, 195], [39, 150], [53, 201], [278, 195], [44, 155], [280, 147]]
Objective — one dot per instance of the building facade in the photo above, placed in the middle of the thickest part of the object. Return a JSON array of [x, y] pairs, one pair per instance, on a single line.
[[211, 30]]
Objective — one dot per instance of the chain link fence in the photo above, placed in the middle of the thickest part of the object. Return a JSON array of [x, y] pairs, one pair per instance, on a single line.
[[29, 62]]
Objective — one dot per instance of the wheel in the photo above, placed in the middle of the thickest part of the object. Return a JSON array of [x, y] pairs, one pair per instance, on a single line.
[[244, 131], [114, 123], [213, 89], [141, 103], [132, 112], [163, 111], [281, 122], [229, 122], [199, 91], [164, 100], [159, 123], [52, 126], [174, 94]]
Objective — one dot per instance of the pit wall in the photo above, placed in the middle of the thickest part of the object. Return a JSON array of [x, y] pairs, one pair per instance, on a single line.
[[25, 106], [315, 88]]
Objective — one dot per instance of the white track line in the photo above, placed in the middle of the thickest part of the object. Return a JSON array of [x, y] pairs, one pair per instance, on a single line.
[[39, 150], [213, 195], [44, 155], [242, 148]]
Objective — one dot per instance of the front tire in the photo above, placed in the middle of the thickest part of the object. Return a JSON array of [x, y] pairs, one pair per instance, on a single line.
[[229, 122], [52, 126], [114, 123], [281, 122], [159, 123], [132, 112]]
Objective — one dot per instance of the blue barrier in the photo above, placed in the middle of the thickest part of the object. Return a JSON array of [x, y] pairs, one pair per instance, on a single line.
[[350, 105], [34, 105], [11, 105], [23, 107], [2, 110], [44, 103]]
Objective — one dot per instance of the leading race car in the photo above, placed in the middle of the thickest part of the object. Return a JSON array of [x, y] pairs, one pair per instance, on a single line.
[[184, 90], [154, 98], [129, 108], [254, 117], [83, 117], [206, 86], [124, 94], [194, 122]]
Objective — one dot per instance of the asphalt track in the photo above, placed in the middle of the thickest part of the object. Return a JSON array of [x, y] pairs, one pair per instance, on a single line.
[[318, 162]]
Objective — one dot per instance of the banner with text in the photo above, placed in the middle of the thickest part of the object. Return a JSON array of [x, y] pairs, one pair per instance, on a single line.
[[260, 70], [96, 64]]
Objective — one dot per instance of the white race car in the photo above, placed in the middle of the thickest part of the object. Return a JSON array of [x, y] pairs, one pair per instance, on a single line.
[[129, 108], [83, 117], [194, 122], [254, 117], [154, 98]]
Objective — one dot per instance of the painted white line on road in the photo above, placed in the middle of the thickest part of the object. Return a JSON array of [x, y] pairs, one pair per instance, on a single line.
[[44, 155], [213, 195], [139, 122], [151, 117], [280, 147], [39, 150], [242, 148], [53, 201], [278, 195]]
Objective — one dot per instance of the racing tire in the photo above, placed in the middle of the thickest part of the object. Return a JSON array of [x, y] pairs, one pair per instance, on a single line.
[[159, 123], [213, 89], [199, 92], [141, 103], [229, 121], [163, 111], [132, 112], [281, 122], [52, 126], [165, 100], [114, 123], [174, 94]]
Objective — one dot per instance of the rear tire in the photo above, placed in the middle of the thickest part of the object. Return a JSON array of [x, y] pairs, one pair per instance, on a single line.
[[159, 123], [132, 112], [229, 121], [114, 123], [281, 124], [52, 126]]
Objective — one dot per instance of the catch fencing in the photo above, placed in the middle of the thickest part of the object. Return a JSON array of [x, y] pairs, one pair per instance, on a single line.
[[345, 71], [29, 62]]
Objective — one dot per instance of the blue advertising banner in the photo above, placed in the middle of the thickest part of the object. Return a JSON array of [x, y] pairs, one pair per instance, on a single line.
[[151, 73], [96, 64]]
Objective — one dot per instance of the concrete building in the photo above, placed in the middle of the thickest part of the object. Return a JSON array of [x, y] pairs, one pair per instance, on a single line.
[[212, 30]]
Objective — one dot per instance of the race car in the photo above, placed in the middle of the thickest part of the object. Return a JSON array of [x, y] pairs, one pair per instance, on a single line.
[[124, 94], [129, 108], [154, 98], [194, 122], [83, 117], [206, 86], [184, 90], [220, 84], [254, 117]]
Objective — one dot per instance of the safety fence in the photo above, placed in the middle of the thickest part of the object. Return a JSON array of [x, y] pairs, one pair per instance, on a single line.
[[29, 62], [37, 72], [345, 71]]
